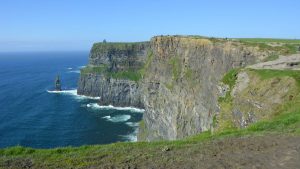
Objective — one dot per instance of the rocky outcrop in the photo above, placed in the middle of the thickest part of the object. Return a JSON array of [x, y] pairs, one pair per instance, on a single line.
[[256, 95]]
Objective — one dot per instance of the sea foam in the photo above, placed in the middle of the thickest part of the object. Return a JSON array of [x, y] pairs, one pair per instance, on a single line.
[[97, 106], [117, 118], [74, 71], [132, 124], [132, 137], [73, 93]]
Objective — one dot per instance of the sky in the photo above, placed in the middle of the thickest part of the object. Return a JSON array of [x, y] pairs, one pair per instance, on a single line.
[[74, 25]]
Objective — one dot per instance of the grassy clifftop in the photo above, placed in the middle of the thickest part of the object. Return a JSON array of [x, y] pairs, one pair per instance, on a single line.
[[116, 46], [280, 46]]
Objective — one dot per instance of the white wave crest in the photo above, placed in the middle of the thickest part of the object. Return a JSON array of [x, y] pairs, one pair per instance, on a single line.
[[132, 137], [73, 93], [81, 67], [97, 106], [74, 71], [70, 68], [117, 118], [132, 124], [70, 92]]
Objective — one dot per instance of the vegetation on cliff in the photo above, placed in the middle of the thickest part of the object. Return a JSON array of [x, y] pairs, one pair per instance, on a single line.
[[127, 74], [265, 94], [114, 48], [278, 46], [130, 74]]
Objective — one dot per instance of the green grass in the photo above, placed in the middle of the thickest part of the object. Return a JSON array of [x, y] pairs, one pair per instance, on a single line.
[[230, 77], [284, 46], [266, 74], [188, 74], [271, 58], [129, 74], [269, 40], [224, 121], [93, 69], [169, 86]]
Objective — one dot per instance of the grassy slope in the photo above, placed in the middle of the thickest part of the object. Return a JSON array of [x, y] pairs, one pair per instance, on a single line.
[[270, 40], [282, 46], [287, 122]]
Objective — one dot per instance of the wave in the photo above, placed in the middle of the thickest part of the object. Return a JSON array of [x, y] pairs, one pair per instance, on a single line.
[[117, 118], [81, 67], [69, 68], [74, 71], [97, 106], [132, 137], [132, 124], [73, 93]]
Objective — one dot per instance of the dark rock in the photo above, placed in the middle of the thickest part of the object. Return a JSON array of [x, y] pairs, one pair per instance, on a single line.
[[57, 83]]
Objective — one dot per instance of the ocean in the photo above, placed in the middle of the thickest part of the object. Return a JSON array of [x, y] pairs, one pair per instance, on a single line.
[[33, 115]]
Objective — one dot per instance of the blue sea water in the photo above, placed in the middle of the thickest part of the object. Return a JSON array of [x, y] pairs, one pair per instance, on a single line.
[[33, 116]]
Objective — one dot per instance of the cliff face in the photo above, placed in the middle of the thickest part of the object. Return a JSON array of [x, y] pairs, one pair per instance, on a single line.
[[112, 73], [117, 92], [174, 78], [119, 56], [180, 87]]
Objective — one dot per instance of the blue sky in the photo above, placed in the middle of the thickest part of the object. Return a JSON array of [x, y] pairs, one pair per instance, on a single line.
[[37, 25]]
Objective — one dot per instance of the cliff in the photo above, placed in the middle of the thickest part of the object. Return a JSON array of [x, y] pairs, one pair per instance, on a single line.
[[174, 78], [180, 92], [113, 73]]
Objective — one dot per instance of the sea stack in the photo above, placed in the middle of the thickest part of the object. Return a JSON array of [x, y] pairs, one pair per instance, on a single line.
[[57, 84]]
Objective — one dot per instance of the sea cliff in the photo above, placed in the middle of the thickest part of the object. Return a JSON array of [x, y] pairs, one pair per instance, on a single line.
[[179, 89], [176, 79], [112, 73]]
